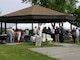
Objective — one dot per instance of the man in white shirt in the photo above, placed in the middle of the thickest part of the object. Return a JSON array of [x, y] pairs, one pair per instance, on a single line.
[[53, 33], [35, 30], [10, 34], [77, 35]]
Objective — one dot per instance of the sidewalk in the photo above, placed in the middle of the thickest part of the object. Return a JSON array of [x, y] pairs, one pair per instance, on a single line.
[[66, 44], [65, 52]]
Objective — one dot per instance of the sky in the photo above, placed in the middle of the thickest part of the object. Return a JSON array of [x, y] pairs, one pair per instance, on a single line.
[[8, 6]]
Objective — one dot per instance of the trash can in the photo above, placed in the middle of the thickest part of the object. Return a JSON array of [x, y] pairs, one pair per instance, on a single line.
[[38, 40]]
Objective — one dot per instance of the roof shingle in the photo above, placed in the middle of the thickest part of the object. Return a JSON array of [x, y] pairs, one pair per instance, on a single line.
[[35, 10]]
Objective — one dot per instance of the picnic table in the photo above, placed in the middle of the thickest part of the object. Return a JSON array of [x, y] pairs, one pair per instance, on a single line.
[[3, 38]]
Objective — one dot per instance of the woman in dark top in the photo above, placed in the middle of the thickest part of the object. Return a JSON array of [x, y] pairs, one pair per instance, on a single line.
[[61, 34], [74, 35], [57, 34]]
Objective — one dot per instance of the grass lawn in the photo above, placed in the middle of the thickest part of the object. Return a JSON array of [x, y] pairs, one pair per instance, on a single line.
[[21, 52], [71, 42]]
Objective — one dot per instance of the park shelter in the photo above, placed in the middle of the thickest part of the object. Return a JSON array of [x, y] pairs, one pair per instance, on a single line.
[[35, 14]]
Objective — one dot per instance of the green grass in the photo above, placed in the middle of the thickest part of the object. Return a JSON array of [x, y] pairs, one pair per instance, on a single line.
[[71, 42], [21, 52], [49, 45], [44, 44]]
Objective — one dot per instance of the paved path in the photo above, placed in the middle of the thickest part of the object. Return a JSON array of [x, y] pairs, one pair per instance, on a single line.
[[65, 52]]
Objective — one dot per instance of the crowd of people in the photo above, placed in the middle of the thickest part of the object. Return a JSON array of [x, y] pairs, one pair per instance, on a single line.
[[14, 35], [19, 35], [56, 34]]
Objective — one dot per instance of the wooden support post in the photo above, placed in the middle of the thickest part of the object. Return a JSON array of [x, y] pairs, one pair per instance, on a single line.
[[32, 27], [54, 24], [59, 24], [38, 25], [16, 26], [71, 27], [5, 27], [62, 24], [1, 28]]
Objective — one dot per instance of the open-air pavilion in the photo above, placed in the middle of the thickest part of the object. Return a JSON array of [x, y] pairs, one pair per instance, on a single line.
[[35, 14]]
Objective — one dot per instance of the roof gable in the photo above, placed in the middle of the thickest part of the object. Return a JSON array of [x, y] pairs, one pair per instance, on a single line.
[[35, 10]]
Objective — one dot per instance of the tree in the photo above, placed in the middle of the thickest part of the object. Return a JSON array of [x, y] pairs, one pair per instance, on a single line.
[[65, 6], [77, 14], [71, 5]]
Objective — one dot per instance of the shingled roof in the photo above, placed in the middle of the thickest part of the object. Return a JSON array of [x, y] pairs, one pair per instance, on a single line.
[[36, 14], [35, 10]]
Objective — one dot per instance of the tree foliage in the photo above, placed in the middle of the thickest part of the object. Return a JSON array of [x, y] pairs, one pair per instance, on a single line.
[[77, 14], [66, 6]]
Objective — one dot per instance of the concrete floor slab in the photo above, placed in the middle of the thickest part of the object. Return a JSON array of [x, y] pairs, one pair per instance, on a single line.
[[65, 52]]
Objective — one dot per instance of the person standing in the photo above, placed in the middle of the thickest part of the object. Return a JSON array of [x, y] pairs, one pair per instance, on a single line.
[[44, 30], [48, 34], [26, 35], [10, 34], [49, 30], [39, 32], [61, 34], [74, 35], [35, 30], [57, 34], [77, 35], [53, 33], [18, 35], [14, 35]]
